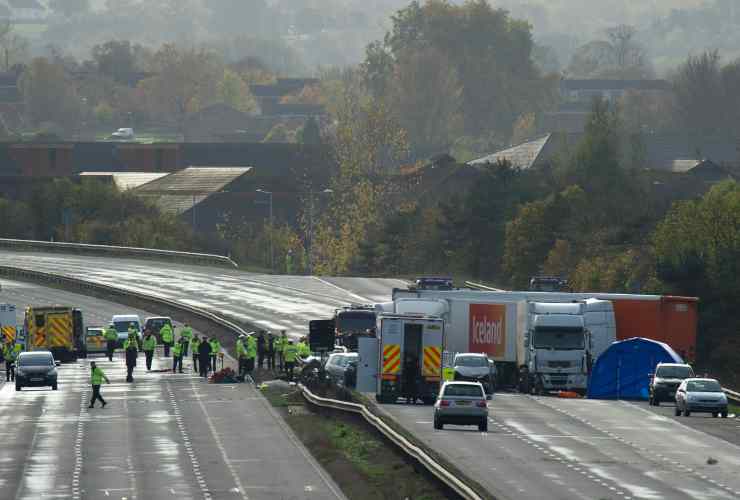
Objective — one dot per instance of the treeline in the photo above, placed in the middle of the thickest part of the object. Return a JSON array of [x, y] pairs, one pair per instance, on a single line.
[[90, 211]]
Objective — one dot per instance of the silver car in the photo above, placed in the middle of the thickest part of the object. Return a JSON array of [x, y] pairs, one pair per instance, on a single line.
[[475, 367], [701, 395], [461, 403]]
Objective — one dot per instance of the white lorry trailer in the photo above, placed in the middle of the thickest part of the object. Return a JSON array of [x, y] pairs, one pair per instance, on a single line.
[[537, 345]]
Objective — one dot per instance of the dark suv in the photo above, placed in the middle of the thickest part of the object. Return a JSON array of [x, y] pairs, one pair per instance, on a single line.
[[665, 381], [35, 369]]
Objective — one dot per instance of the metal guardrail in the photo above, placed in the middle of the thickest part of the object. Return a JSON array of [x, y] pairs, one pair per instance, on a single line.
[[480, 286], [732, 395], [412, 450], [409, 448], [117, 251]]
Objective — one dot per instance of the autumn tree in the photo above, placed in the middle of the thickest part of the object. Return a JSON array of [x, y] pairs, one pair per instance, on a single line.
[[234, 91], [185, 81], [49, 94], [368, 145]]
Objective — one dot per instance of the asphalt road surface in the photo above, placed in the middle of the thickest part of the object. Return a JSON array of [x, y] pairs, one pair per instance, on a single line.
[[272, 302], [165, 436], [541, 447]]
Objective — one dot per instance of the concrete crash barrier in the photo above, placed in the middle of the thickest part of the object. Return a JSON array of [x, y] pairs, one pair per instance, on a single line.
[[115, 251], [453, 480]]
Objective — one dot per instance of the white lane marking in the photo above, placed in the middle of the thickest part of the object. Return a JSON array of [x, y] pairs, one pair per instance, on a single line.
[[183, 433], [219, 443], [76, 492], [352, 294]]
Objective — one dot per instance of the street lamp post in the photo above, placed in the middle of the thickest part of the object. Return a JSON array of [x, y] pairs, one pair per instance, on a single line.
[[310, 228], [272, 246]]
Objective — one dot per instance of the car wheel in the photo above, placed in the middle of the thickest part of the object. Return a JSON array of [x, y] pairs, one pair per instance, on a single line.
[[686, 413], [483, 426], [678, 411], [54, 387]]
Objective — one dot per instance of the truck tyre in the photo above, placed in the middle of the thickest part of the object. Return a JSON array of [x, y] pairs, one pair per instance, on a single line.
[[483, 426]]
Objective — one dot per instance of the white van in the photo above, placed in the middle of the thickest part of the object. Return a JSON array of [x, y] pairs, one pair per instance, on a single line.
[[122, 322]]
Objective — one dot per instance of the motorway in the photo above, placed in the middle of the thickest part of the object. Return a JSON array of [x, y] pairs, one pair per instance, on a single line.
[[537, 448], [543, 447], [272, 302], [165, 436]]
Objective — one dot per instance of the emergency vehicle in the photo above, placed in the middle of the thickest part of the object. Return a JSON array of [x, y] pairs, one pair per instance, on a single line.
[[58, 329], [404, 360], [7, 322]]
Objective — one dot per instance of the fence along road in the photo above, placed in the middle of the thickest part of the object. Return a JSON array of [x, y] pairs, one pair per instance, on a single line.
[[167, 436]]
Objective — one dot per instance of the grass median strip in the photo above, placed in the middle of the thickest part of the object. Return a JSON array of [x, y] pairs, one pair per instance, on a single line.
[[360, 460]]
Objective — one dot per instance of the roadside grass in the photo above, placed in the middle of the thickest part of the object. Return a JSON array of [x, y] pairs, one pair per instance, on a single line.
[[359, 459], [731, 408]]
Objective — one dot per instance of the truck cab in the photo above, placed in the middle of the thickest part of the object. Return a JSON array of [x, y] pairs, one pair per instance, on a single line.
[[557, 348]]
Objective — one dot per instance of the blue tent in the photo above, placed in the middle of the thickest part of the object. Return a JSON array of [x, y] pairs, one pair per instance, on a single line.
[[622, 371]]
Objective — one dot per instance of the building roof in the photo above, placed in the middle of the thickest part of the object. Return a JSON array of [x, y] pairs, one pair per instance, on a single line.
[[127, 180], [566, 84], [179, 192], [522, 156]]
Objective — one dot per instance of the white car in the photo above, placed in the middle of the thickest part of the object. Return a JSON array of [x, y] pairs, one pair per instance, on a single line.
[[125, 134], [122, 322], [701, 395]]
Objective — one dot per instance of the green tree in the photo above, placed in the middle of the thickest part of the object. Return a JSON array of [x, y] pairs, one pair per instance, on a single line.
[[234, 91]]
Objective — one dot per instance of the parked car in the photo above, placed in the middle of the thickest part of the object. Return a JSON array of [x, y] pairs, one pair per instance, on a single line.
[[122, 322], [475, 367], [461, 403], [155, 323], [701, 395], [36, 369], [123, 134], [665, 381], [95, 340], [341, 368]]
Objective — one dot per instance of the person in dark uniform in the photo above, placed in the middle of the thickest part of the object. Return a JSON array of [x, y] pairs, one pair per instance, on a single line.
[[270, 351], [410, 370], [131, 346], [204, 360], [261, 349]]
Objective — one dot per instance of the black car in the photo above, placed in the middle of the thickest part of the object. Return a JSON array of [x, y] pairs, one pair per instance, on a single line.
[[665, 381], [35, 369]]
